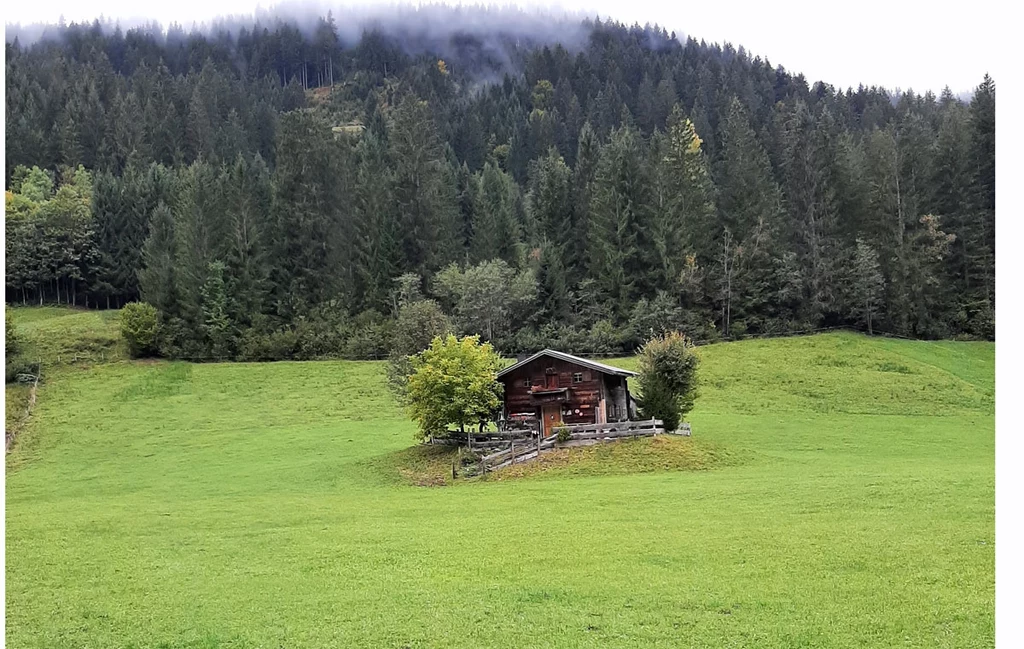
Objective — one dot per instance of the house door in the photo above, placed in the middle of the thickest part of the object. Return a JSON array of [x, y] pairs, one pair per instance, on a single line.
[[552, 416]]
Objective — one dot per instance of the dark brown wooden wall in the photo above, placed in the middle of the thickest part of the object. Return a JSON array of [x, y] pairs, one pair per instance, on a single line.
[[587, 393]]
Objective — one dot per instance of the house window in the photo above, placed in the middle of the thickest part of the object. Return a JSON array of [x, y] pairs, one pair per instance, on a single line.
[[577, 377], [527, 383]]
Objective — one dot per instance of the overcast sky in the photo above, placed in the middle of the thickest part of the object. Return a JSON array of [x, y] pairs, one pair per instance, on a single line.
[[924, 46]]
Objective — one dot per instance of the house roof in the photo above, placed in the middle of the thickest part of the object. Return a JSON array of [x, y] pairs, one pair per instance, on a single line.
[[594, 365]]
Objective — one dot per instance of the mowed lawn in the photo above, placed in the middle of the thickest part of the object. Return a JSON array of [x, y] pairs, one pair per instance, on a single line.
[[241, 505]]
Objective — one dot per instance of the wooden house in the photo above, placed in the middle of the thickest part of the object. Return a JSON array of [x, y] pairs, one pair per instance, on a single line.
[[557, 388]]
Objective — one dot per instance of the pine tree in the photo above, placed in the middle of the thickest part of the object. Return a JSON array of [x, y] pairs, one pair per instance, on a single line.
[[494, 227], [248, 194], [422, 198], [308, 207], [548, 201], [552, 286], [983, 190], [742, 246], [810, 170], [200, 233], [584, 176], [867, 286], [620, 213], [647, 115], [379, 239], [685, 197], [749, 200], [157, 275]]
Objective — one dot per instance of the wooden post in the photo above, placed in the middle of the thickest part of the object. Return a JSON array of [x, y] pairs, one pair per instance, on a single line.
[[513, 460]]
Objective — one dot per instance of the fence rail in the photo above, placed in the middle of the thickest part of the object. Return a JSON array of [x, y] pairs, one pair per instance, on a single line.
[[523, 449], [516, 452]]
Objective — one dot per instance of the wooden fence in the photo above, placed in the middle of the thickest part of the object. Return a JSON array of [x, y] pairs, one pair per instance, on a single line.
[[489, 439], [526, 449]]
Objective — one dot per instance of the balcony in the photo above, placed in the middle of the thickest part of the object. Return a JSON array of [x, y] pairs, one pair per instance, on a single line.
[[540, 394]]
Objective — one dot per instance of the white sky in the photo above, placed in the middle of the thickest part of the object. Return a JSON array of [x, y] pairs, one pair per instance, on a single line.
[[923, 46]]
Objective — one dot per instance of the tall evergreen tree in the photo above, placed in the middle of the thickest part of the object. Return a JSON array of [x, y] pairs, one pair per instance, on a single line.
[[157, 275], [379, 236], [620, 215], [810, 170], [494, 226], [248, 193], [685, 199], [420, 190]]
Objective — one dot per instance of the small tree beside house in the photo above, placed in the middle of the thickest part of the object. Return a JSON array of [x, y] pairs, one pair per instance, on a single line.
[[453, 382], [668, 378]]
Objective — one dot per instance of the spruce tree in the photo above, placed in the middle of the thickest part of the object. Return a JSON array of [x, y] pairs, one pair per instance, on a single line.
[[620, 215], [420, 192], [379, 258], [548, 201], [867, 286], [685, 196], [494, 227], [308, 207], [157, 275], [810, 170], [248, 194]]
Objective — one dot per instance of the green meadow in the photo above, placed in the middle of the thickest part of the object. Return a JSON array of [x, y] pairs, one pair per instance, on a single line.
[[838, 491]]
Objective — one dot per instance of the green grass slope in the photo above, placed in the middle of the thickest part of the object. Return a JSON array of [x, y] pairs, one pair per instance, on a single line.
[[59, 335], [243, 505]]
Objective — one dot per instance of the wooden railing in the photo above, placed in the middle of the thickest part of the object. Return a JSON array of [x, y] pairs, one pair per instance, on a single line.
[[485, 439], [616, 429], [525, 449], [516, 452]]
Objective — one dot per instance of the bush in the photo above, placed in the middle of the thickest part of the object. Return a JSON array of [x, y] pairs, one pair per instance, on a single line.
[[605, 338], [369, 342], [563, 434], [668, 378], [20, 367], [139, 328], [11, 335], [257, 345], [318, 338]]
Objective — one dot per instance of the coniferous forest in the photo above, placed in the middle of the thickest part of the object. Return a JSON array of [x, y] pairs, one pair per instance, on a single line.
[[295, 189]]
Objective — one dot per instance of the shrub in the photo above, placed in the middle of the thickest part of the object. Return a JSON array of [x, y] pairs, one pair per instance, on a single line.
[[317, 338], [139, 328], [267, 346], [11, 335], [605, 338], [668, 378], [563, 434], [20, 367]]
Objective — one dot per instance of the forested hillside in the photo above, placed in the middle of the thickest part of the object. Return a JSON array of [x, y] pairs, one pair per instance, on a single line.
[[282, 190]]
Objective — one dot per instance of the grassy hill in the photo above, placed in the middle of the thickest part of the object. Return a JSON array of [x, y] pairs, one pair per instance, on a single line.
[[254, 505]]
